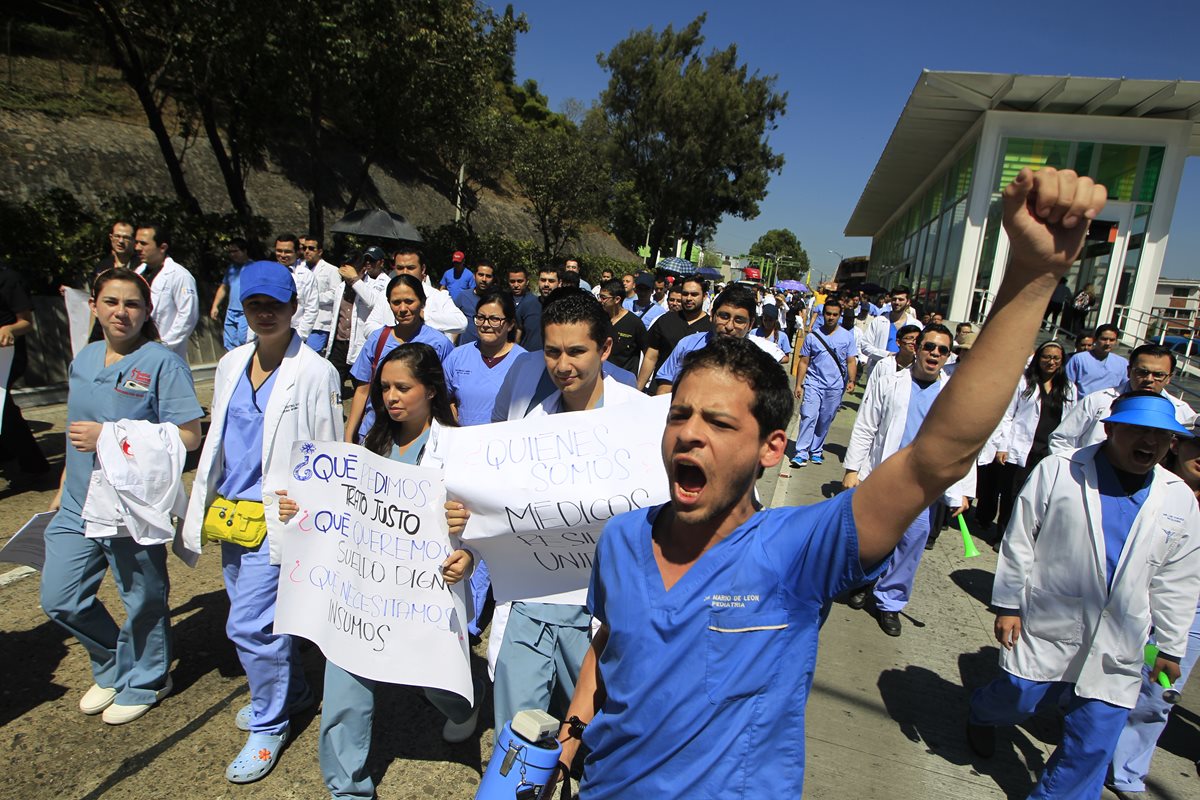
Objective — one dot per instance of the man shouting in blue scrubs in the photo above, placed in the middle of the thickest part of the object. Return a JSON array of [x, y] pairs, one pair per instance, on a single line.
[[696, 682]]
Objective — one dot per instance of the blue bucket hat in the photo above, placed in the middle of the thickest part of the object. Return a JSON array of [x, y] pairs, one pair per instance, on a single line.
[[1148, 411], [267, 277]]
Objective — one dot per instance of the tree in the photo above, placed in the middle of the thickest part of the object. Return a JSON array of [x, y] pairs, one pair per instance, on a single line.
[[689, 130], [562, 181], [781, 247]]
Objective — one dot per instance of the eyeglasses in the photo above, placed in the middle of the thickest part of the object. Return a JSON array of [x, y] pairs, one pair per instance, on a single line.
[[602, 297], [492, 321], [940, 349], [1138, 372], [739, 321], [311, 247]]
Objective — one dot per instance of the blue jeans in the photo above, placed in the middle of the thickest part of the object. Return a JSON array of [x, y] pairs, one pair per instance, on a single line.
[[135, 658], [271, 661], [1090, 729]]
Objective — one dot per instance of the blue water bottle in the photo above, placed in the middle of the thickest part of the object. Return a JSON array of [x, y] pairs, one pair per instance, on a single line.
[[524, 760]]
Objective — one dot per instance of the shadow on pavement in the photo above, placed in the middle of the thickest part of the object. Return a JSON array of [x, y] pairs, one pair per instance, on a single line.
[[932, 710], [198, 628], [27, 671], [975, 582]]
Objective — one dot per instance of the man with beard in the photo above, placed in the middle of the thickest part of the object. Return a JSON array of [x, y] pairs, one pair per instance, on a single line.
[[468, 299], [673, 326]]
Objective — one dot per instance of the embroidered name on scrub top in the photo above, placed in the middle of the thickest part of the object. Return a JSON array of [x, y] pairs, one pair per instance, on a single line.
[[136, 385], [241, 476]]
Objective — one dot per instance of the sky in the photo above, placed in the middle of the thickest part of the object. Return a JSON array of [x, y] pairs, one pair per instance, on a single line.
[[848, 69]]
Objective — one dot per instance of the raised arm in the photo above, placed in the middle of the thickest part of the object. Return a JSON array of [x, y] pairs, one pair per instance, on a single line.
[[1046, 216]]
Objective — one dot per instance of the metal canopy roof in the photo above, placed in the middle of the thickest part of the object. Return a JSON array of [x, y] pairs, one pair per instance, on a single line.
[[944, 105]]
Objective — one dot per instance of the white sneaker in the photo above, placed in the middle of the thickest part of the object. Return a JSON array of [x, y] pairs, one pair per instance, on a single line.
[[455, 732], [117, 714], [96, 699]]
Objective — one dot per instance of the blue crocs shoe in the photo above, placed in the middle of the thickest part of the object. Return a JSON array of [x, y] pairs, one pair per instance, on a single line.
[[257, 758]]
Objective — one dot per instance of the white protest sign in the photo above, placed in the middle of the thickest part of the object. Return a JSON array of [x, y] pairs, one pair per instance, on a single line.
[[79, 318], [6, 361], [361, 573], [541, 489]]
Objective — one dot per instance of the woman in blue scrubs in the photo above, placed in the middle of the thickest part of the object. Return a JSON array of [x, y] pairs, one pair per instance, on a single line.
[[408, 394], [474, 372], [128, 375], [406, 296], [267, 395]]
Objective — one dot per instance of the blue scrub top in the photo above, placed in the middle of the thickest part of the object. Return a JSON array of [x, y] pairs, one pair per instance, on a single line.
[[472, 384], [779, 338], [364, 366], [1118, 511], [242, 450], [151, 383], [455, 285], [413, 454], [920, 400], [823, 371], [707, 683], [1091, 374], [669, 371], [468, 303], [233, 281]]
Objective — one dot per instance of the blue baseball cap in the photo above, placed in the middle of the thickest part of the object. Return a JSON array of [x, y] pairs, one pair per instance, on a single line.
[[267, 277], [1148, 411]]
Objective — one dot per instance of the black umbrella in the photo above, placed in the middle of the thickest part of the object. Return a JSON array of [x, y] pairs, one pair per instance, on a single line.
[[377, 223]]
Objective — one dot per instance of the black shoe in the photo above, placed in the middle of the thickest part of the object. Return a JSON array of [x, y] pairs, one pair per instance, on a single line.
[[981, 739], [858, 598], [889, 621]]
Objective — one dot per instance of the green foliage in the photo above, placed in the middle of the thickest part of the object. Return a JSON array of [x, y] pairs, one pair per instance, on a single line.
[[781, 245], [689, 130], [496, 249], [562, 180], [54, 239]]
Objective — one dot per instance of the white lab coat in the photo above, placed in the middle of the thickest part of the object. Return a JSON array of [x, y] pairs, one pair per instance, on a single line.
[[875, 337], [328, 285], [305, 405], [137, 485], [1021, 420], [175, 306], [880, 427], [306, 300], [1082, 426], [441, 313], [371, 312], [1052, 569]]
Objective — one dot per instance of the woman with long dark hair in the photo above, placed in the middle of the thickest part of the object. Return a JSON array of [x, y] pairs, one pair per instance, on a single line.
[[1043, 397], [408, 394], [406, 296], [127, 375]]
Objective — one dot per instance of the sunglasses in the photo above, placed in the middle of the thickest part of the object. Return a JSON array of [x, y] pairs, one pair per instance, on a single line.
[[940, 349]]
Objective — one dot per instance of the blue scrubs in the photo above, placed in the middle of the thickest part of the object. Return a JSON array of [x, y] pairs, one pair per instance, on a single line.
[[348, 707], [1090, 374], [468, 303], [472, 384], [894, 587], [707, 683], [153, 384], [779, 338], [669, 371], [235, 318], [271, 661], [529, 320], [364, 366], [1135, 748], [463, 282], [823, 388]]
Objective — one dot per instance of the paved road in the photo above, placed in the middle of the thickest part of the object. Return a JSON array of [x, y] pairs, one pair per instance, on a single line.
[[884, 720]]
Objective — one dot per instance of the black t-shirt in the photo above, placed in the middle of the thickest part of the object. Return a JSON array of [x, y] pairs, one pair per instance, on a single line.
[[669, 328], [14, 300], [629, 341]]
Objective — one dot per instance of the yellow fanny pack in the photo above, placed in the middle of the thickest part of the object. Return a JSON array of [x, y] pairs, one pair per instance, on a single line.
[[242, 522]]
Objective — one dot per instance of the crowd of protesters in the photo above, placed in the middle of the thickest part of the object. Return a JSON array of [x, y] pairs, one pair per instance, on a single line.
[[1063, 460]]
